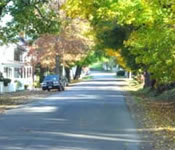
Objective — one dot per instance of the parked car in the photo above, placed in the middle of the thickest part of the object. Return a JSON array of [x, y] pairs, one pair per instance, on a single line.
[[52, 82]]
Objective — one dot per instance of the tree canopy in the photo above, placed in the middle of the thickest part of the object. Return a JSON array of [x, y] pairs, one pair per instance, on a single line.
[[32, 17], [140, 31]]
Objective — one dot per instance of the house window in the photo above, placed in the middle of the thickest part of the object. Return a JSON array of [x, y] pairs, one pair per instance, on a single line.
[[17, 55], [18, 72], [7, 72], [24, 69], [29, 72]]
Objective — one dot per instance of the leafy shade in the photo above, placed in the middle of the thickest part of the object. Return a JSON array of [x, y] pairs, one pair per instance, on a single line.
[[32, 17], [148, 41]]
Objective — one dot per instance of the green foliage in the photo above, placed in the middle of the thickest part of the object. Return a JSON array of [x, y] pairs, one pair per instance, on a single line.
[[87, 77], [31, 17], [97, 66], [167, 95], [142, 29], [18, 84], [36, 84], [147, 92], [6, 81]]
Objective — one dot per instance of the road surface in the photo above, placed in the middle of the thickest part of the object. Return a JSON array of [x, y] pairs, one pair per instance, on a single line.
[[91, 115]]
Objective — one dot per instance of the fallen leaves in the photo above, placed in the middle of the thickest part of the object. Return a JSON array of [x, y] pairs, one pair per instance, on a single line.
[[13, 100], [156, 118]]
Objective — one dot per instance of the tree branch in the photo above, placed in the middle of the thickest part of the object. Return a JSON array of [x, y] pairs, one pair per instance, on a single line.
[[38, 10]]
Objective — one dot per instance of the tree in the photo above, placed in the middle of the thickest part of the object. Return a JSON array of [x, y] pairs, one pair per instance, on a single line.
[[32, 17], [71, 45], [149, 32]]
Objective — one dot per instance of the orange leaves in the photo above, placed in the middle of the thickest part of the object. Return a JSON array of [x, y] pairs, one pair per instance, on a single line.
[[71, 45]]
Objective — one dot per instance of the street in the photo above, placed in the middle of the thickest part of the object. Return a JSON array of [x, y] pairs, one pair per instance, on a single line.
[[92, 115]]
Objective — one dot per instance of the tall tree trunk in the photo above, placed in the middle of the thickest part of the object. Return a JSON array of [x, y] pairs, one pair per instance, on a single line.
[[41, 74], [147, 79], [149, 82], [57, 68], [67, 70], [78, 72]]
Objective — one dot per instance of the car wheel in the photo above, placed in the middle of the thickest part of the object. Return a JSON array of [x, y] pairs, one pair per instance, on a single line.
[[48, 90]]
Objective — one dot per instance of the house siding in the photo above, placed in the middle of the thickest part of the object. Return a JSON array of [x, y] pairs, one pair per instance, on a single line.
[[19, 70]]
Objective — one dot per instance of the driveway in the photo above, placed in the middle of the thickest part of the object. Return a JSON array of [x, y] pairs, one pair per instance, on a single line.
[[91, 115]]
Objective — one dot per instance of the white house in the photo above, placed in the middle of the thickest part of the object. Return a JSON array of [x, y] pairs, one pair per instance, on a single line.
[[15, 65]]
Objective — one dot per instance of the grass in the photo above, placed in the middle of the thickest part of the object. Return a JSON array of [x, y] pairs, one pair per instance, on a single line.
[[167, 95], [148, 93], [87, 78], [97, 66], [83, 79], [75, 81]]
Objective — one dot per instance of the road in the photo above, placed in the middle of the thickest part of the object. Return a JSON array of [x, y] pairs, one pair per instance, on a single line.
[[91, 115]]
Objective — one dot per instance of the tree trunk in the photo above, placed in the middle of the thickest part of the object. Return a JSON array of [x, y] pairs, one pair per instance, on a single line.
[[67, 70], [57, 68], [78, 72], [147, 80]]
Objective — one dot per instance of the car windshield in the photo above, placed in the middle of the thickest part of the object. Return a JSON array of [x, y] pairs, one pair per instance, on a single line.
[[51, 77]]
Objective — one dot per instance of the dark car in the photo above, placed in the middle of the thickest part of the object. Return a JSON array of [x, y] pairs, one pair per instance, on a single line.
[[52, 82]]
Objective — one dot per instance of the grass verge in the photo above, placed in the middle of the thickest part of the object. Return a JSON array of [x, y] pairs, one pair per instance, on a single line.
[[156, 114]]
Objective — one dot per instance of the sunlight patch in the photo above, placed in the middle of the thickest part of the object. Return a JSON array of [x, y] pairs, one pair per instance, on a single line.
[[41, 109]]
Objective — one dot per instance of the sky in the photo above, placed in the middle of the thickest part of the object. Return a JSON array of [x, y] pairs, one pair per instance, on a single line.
[[5, 19]]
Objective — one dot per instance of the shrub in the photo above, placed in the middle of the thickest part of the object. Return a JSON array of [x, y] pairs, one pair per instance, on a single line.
[[6, 81], [18, 84], [25, 87], [36, 84]]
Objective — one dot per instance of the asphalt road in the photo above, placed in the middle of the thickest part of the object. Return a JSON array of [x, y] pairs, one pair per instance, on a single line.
[[91, 115]]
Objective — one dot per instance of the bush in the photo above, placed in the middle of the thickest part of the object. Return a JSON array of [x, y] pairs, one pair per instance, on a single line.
[[36, 84], [6, 81], [168, 95], [18, 84], [26, 87]]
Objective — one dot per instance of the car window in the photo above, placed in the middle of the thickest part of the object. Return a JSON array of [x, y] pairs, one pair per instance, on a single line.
[[51, 77]]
